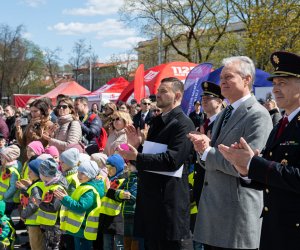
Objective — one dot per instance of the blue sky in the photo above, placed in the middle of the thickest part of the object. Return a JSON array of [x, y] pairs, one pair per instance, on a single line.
[[60, 23]]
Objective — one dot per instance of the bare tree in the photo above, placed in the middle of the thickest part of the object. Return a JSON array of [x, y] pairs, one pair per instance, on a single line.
[[20, 61], [188, 26], [79, 58], [51, 58]]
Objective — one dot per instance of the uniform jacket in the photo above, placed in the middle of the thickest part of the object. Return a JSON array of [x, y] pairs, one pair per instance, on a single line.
[[229, 214], [163, 204], [278, 172], [198, 119], [69, 132]]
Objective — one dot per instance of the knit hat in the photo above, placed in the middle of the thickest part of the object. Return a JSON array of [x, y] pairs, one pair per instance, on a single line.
[[70, 157], [52, 150], [44, 156], [116, 161], [11, 153], [84, 157], [2, 207], [34, 165], [100, 159], [37, 147], [89, 168], [48, 168]]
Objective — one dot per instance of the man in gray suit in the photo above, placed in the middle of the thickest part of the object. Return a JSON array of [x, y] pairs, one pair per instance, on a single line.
[[229, 214]]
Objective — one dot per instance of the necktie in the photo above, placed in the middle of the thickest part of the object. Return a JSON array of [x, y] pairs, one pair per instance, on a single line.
[[227, 115], [283, 123], [143, 116], [205, 125], [142, 122]]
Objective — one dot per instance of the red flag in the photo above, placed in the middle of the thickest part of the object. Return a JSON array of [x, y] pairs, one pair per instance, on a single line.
[[139, 85]]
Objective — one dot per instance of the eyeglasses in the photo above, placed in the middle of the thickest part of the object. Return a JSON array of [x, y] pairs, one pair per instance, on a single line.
[[116, 119], [156, 110], [146, 103], [62, 106]]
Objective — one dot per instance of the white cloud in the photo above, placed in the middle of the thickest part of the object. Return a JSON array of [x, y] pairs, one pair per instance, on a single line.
[[96, 7], [34, 3], [109, 27], [127, 43]]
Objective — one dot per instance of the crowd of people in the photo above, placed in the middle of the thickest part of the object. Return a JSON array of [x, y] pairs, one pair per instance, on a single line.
[[146, 176]]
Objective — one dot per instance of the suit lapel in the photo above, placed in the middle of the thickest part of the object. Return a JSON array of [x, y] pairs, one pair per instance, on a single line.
[[217, 127], [235, 118]]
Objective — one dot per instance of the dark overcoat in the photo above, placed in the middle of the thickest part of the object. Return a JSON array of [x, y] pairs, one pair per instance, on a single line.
[[163, 203]]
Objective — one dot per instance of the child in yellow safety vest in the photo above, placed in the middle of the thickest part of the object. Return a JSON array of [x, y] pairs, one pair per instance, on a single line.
[[8, 178], [33, 150], [31, 196], [7, 232], [80, 212], [111, 220], [49, 207], [69, 161]]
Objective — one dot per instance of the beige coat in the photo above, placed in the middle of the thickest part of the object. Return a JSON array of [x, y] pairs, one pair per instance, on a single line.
[[114, 139], [68, 132]]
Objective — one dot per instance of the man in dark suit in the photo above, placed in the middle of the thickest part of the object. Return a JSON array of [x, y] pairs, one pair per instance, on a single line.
[[162, 203], [144, 116], [197, 116], [277, 172]]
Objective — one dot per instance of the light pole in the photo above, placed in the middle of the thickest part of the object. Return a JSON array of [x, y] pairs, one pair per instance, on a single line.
[[160, 36], [90, 50]]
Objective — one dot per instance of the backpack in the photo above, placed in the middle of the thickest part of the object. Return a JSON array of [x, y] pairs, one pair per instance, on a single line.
[[102, 138]]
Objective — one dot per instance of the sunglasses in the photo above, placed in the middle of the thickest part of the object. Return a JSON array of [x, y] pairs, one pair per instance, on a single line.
[[62, 106], [146, 103], [116, 119], [156, 110]]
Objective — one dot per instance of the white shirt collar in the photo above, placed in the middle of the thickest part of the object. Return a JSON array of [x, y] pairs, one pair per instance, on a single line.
[[293, 114], [212, 118], [238, 103]]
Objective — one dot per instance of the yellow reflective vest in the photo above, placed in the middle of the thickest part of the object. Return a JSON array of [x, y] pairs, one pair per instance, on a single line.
[[72, 221], [25, 171], [109, 206], [4, 184], [73, 178], [48, 218], [32, 220], [193, 209], [10, 239]]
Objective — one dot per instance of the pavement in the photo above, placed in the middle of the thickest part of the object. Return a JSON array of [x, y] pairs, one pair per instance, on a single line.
[[20, 237]]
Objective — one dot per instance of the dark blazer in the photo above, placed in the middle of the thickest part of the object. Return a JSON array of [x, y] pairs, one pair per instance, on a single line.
[[139, 123], [281, 183], [163, 203], [198, 119]]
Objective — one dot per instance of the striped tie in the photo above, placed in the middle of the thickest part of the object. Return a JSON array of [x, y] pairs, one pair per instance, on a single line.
[[227, 115]]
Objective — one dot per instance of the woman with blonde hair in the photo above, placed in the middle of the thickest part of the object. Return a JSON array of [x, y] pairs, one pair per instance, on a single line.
[[68, 130], [117, 135]]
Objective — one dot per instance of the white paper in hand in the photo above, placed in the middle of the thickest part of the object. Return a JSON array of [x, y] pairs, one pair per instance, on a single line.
[[156, 148]]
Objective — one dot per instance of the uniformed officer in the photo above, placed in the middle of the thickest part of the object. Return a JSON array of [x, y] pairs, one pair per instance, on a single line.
[[278, 171]]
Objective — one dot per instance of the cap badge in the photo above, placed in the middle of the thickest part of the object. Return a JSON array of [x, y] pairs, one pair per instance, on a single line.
[[275, 59], [284, 162], [205, 85]]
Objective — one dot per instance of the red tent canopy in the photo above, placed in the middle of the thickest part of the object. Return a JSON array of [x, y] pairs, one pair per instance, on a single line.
[[115, 85], [66, 88], [20, 100], [153, 76], [111, 90]]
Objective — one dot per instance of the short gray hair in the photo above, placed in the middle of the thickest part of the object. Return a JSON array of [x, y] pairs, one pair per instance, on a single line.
[[245, 66]]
